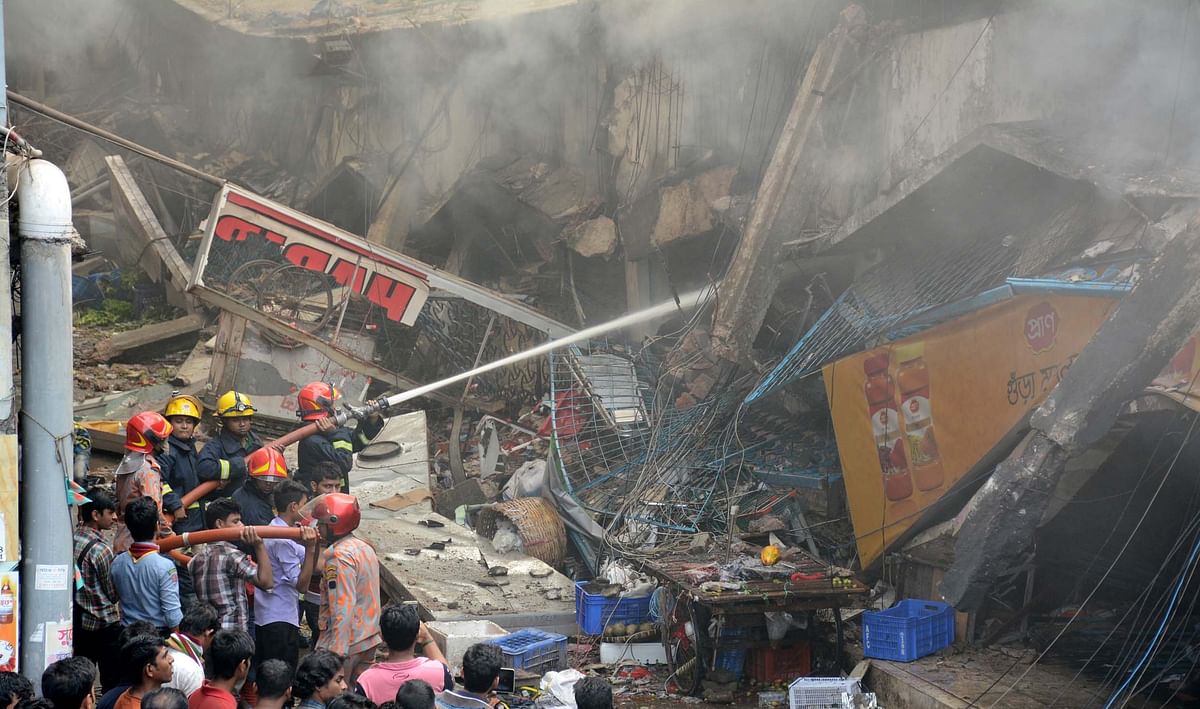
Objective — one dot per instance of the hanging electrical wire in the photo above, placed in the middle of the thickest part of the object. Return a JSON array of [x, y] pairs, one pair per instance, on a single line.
[[1108, 571]]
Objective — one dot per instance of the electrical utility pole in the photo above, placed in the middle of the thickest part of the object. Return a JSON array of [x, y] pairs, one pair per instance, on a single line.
[[46, 429]]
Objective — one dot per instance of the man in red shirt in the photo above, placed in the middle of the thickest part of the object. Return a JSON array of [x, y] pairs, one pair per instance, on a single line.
[[229, 662], [405, 636]]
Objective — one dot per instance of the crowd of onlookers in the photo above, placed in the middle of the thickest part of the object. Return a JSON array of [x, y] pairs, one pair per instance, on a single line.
[[149, 677], [217, 625]]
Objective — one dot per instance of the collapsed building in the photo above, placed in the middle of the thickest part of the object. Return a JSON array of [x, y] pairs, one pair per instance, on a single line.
[[950, 248]]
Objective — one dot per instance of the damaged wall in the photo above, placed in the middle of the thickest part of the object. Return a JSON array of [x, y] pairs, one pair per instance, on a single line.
[[915, 94], [621, 89], [927, 90]]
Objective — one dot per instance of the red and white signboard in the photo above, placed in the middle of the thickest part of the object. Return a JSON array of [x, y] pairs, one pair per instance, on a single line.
[[245, 221]]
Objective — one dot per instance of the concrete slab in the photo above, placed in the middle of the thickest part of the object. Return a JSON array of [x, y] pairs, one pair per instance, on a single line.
[[451, 583], [981, 678]]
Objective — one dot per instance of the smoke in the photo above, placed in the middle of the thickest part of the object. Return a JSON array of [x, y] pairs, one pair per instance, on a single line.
[[682, 74], [53, 43], [1121, 76], [645, 85]]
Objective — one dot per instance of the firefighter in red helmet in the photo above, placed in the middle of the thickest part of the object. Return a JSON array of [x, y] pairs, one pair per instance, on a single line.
[[332, 443], [350, 584], [138, 474], [265, 470]]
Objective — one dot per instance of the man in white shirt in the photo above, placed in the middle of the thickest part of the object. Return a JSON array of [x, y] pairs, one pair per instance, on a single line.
[[200, 622]]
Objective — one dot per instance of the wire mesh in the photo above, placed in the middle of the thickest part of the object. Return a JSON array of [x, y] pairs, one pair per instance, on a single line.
[[906, 283], [648, 469]]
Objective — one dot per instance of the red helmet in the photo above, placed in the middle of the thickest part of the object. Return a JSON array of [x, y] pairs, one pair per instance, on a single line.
[[338, 510], [146, 431], [267, 464], [316, 401]]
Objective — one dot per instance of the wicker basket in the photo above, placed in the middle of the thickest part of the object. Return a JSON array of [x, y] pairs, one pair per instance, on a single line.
[[537, 522]]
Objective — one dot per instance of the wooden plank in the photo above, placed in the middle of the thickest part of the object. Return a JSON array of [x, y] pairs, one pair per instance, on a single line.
[[154, 335], [106, 436], [87, 266], [151, 249], [227, 352], [756, 593]]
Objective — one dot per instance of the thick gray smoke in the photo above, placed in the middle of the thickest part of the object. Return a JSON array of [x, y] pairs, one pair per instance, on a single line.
[[1126, 72], [658, 82]]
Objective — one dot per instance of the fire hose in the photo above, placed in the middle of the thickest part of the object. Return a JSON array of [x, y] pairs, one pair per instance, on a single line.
[[385, 405], [197, 493], [228, 534]]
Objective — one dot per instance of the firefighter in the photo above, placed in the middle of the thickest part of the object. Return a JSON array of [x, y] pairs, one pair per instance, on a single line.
[[332, 443], [350, 586], [224, 456], [179, 472], [179, 462], [265, 469], [138, 474]]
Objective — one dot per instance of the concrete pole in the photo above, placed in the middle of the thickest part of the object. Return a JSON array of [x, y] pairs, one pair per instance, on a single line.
[[8, 424], [44, 226], [8, 418]]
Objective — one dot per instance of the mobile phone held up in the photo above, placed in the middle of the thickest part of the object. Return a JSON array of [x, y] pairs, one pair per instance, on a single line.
[[508, 681]]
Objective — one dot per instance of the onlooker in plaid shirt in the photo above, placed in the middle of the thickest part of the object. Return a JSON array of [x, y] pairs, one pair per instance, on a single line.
[[220, 571], [97, 613]]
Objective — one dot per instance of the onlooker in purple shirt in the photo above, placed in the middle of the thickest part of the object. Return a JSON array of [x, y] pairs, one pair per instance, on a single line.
[[277, 611]]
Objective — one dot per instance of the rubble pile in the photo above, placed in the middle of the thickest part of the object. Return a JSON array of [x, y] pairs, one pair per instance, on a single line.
[[933, 317]]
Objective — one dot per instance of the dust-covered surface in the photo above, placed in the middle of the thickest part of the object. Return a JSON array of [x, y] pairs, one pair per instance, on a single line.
[[441, 564], [95, 378]]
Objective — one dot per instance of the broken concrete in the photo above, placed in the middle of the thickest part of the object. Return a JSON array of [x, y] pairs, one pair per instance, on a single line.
[[149, 339], [446, 582], [688, 209], [1128, 351], [595, 237]]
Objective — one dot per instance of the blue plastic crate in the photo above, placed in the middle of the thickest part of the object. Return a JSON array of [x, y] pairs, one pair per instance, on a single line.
[[731, 661], [533, 650], [910, 630], [594, 612]]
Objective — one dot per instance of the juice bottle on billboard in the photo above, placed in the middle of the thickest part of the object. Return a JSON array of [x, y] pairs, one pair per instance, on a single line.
[[8, 602], [885, 426], [913, 378], [8, 623]]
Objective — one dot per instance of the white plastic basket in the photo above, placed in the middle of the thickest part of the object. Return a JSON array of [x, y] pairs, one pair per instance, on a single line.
[[820, 692]]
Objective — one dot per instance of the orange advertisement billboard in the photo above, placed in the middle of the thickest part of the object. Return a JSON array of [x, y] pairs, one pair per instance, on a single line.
[[914, 416]]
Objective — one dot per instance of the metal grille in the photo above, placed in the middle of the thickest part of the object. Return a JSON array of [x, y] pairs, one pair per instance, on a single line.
[[905, 284], [608, 432], [648, 470]]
